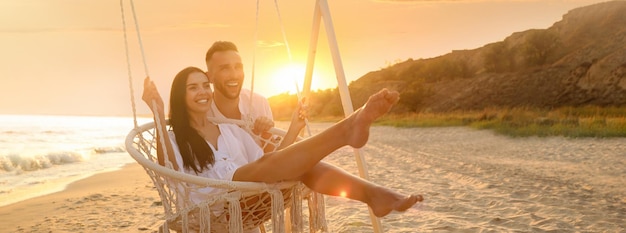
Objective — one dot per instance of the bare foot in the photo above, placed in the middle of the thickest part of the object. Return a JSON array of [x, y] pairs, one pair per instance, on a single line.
[[377, 105], [383, 201]]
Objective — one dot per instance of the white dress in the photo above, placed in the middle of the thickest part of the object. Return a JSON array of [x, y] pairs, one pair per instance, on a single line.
[[235, 148]]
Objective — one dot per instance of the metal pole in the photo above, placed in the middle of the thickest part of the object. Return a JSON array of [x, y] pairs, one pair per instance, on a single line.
[[315, 31], [344, 93]]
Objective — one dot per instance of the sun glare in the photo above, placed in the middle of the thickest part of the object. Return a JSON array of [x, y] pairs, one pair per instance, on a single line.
[[284, 79], [343, 194]]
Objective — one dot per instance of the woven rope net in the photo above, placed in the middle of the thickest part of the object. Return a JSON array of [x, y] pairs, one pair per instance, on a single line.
[[237, 207]]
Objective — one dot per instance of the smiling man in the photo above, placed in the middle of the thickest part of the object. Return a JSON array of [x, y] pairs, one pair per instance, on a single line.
[[225, 71]]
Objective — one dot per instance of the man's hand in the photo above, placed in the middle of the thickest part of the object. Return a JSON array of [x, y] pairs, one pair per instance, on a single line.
[[262, 125]]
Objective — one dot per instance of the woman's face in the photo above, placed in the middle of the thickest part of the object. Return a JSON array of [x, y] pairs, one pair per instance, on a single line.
[[198, 93]]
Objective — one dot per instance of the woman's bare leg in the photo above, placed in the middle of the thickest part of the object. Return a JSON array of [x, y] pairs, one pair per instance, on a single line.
[[330, 180], [295, 160]]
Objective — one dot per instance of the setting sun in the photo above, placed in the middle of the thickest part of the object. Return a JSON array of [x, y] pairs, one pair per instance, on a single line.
[[285, 78]]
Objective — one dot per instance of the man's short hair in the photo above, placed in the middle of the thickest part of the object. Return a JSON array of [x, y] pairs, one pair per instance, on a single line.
[[219, 46]]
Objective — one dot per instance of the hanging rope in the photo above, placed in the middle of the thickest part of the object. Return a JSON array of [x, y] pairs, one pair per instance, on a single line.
[[317, 210], [145, 66], [143, 54], [130, 76], [256, 37], [282, 29]]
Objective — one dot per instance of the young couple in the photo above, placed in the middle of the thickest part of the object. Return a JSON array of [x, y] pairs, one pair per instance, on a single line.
[[224, 151]]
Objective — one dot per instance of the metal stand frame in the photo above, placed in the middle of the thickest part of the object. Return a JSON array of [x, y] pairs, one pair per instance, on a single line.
[[322, 12]]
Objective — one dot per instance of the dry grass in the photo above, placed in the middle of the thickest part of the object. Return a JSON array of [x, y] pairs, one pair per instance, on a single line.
[[587, 121]]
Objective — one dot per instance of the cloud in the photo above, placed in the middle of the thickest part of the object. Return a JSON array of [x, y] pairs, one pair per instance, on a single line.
[[56, 30], [429, 1], [418, 1], [8, 29], [198, 25], [269, 44]]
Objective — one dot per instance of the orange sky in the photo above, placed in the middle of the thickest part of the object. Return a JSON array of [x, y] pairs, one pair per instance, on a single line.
[[66, 57]]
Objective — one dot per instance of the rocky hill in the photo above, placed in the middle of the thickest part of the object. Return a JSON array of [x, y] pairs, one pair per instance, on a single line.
[[580, 60]]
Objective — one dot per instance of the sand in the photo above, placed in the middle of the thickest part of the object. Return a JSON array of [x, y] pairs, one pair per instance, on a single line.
[[117, 201], [472, 180], [476, 181]]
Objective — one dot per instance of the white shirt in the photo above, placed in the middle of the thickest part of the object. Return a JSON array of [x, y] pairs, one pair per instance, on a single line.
[[260, 106]]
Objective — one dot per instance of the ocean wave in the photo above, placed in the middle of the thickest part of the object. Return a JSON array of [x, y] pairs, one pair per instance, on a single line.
[[30, 132], [19, 164], [112, 149], [55, 132]]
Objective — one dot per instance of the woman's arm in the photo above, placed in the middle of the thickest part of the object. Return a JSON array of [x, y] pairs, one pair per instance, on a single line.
[[297, 124], [154, 101]]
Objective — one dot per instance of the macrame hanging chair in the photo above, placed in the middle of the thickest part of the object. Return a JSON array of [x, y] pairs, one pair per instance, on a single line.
[[238, 206]]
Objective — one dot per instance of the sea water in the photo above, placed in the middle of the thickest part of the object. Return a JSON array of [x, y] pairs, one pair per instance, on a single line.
[[42, 154]]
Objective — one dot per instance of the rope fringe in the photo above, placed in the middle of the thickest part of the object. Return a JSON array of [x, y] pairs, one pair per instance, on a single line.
[[296, 210], [278, 217], [234, 210]]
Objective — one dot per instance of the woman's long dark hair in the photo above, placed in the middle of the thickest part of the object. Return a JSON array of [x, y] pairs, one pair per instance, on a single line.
[[195, 151]]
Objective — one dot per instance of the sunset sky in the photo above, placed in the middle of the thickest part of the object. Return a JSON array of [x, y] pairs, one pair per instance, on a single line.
[[67, 57]]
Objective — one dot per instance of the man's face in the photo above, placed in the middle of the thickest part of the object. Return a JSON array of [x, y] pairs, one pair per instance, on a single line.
[[226, 73]]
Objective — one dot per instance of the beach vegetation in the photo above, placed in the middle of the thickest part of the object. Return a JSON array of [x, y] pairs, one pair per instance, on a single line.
[[586, 121], [539, 46], [499, 58], [568, 121]]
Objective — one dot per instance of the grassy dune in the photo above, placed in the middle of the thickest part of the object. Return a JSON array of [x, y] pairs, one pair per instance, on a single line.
[[521, 122]]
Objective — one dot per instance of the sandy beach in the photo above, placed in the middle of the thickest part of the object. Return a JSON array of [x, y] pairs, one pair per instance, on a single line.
[[117, 201], [472, 180]]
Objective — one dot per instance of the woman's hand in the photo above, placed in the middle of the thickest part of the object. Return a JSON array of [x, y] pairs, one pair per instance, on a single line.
[[150, 95], [298, 119]]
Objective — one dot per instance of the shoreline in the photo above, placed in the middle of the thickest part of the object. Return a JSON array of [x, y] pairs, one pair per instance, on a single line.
[[48, 187], [88, 203], [45, 188]]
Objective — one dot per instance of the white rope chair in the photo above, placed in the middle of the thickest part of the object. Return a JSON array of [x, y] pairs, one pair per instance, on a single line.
[[239, 206]]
